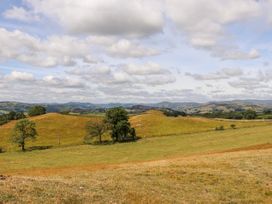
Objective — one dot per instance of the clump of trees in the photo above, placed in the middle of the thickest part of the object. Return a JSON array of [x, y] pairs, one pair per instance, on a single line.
[[173, 113], [116, 123], [12, 115], [237, 115], [23, 131], [36, 110], [121, 130]]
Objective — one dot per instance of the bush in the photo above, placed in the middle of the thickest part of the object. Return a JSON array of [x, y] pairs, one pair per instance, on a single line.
[[2, 150], [220, 128], [233, 126], [173, 113], [36, 110]]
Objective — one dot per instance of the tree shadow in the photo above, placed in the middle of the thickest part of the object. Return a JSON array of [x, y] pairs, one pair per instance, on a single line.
[[33, 148]]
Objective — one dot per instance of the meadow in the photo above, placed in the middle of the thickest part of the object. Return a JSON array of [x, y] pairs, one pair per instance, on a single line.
[[178, 160]]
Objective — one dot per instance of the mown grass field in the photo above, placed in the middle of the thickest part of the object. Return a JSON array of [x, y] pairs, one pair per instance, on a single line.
[[188, 162]]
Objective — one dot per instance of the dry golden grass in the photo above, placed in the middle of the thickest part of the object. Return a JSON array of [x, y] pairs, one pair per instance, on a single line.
[[70, 129], [154, 123], [238, 177], [231, 166]]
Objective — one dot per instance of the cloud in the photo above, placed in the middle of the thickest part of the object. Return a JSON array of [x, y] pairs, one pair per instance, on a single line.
[[19, 76], [125, 48], [20, 14], [260, 79], [149, 68], [66, 82], [235, 54], [115, 17], [50, 52], [141, 74], [225, 73], [204, 21]]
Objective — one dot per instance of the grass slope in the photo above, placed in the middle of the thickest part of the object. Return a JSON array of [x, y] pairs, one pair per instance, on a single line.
[[143, 150], [70, 129], [240, 177], [155, 123]]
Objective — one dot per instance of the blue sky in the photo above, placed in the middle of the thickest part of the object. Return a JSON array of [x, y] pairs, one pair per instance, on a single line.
[[135, 51]]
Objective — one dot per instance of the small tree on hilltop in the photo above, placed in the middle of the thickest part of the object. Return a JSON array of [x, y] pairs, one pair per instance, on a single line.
[[95, 129], [23, 130]]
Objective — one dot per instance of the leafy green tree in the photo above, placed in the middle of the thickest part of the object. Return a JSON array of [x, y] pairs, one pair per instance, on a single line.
[[250, 114], [19, 115], [115, 115], [11, 115], [121, 130], [95, 129], [36, 110], [23, 130]]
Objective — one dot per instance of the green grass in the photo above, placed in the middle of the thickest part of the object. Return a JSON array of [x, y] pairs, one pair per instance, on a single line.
[[143, 150]]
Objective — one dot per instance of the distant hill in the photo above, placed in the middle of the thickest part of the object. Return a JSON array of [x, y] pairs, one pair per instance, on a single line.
[[189, 107]]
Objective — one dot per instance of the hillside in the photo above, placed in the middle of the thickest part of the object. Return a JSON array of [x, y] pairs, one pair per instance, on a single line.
[[71, 129], [155, 123], [50, 127], [189, 107], [143, 150], [231, 166], [236, 177]]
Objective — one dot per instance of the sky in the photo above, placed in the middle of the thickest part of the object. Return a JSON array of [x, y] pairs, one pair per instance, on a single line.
[[140, 51]]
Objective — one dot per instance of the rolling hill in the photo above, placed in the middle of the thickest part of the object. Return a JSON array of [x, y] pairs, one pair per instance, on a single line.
[[181, 165], [50, 127], [155, 123], [70, 130]]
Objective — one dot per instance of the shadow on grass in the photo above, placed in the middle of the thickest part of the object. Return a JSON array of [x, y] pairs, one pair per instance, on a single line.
[[110, 142], [33, 148]]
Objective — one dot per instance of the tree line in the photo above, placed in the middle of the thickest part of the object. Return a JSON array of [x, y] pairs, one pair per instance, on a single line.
[[13, 115], [237, 115]]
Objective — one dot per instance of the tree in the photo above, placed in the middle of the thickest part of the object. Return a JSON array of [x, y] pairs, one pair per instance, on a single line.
[[23, 130], [115, 115], [11, 115], [19, 115], [95, 129], [121, 130], [249, 114], [36, 110]]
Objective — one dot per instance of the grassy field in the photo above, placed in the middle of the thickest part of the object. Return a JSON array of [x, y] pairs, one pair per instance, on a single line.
[[155, 123], [70, 129], [239, 177], [194, 165], [142, 150]]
